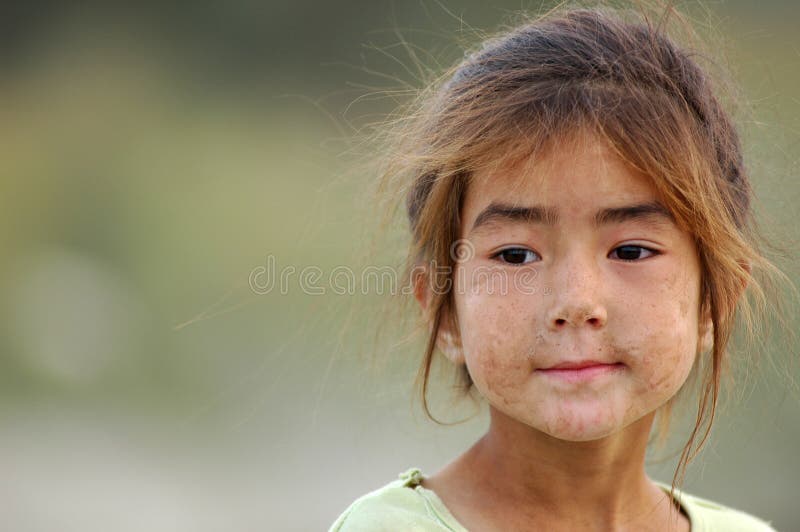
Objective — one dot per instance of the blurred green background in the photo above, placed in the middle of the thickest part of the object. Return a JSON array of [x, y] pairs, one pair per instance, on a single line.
[[154, 157]]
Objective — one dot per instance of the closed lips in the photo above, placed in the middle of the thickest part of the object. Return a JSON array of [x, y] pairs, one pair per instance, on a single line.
[[581, 364], [584, 364]]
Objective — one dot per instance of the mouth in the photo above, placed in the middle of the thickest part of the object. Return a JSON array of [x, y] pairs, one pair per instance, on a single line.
[[581, 371]]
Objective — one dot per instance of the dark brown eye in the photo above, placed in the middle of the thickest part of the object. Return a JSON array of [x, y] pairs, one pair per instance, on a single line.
[[633, 253], [517, 256]]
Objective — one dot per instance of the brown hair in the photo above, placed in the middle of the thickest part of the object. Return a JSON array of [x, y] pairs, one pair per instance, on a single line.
[[620, 76]]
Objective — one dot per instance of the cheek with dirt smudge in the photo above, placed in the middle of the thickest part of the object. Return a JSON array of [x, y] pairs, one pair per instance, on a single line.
[[666, 359], [498, 366], [497, 375]]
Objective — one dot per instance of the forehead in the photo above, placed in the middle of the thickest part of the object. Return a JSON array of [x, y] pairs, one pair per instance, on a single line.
[[574, 179]]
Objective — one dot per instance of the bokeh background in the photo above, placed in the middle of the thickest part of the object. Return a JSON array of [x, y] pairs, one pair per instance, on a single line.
[[155, 157]]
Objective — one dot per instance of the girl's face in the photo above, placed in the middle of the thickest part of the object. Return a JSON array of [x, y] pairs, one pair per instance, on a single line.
[[577, 297]]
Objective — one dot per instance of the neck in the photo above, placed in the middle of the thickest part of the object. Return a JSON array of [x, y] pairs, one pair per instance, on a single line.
[[575, 485]]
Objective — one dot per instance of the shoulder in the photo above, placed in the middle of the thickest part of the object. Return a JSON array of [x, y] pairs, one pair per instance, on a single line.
[[711, 516], [395, 506]]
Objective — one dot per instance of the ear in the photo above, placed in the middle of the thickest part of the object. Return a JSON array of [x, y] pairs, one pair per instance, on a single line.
[[449, 343], [705, 339], [448, 340], [706, 328]]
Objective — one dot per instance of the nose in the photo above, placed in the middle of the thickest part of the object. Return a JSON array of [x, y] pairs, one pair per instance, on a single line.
[[577, 294]]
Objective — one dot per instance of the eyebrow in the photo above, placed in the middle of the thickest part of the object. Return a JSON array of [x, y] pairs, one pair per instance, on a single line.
[[537, 214]]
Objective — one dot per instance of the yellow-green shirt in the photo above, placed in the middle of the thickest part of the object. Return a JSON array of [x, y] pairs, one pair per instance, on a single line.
[[405, 506]]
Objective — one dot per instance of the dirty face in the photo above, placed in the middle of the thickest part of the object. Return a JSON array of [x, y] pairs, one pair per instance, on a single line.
[[576, 294]]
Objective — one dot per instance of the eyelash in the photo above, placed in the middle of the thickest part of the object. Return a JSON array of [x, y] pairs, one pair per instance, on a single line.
[[653, 252], [500, 253]]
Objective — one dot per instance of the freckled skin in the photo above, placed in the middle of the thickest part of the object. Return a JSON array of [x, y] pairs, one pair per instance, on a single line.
[[641, 313]]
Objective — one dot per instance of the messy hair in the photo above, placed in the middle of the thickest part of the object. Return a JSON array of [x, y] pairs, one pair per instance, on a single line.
[[620, 76]]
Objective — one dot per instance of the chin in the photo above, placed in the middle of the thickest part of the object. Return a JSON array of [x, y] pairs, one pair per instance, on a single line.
[[582, 425]]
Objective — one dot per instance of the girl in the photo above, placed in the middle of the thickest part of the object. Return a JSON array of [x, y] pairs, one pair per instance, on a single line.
[[582, 241]]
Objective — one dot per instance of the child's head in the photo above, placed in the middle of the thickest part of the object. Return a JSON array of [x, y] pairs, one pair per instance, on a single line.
[[580, 110], [568, 260]]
